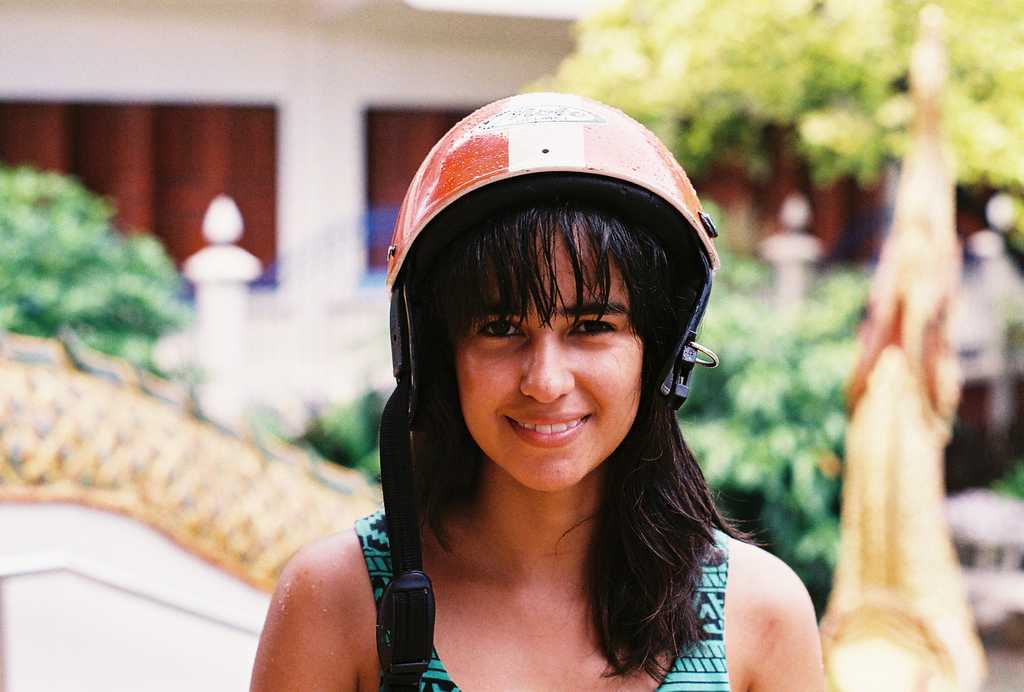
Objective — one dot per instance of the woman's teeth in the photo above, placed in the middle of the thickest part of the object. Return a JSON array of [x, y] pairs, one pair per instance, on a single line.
[[554, 428]]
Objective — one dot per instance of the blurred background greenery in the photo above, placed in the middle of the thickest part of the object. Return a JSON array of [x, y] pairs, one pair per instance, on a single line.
[[66, 266]]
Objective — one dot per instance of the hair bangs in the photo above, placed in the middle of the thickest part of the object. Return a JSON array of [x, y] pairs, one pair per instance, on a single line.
[[508, 269]]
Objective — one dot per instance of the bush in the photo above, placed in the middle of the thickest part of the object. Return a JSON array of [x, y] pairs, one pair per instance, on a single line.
[[768, 424], [347, 434], [62, 264]]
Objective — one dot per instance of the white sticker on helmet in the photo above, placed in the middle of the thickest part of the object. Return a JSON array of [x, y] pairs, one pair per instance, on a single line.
[[525, 114], [557, 146]]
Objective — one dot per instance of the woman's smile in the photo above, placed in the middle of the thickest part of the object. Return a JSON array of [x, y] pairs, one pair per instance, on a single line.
[[558, 432]]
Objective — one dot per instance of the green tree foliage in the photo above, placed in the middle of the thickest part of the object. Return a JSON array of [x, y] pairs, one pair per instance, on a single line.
[[768, 424], [62, 264], [716, 80]]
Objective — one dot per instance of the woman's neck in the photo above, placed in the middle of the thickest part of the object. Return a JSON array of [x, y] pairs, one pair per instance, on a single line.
[[529, 535]]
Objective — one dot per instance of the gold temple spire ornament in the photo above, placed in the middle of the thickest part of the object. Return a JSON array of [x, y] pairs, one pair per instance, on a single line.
[[898, 619]]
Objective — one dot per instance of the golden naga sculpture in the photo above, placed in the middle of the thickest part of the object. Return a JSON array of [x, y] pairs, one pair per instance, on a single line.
[[898, 617], [79, 427]]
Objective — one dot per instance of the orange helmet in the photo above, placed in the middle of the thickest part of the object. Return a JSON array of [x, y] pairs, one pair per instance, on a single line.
[[525, 139]]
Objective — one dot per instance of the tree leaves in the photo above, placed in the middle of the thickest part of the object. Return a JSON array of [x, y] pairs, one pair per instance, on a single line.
[[711, 78]]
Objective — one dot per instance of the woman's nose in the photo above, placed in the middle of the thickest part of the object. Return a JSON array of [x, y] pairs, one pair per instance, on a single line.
[[547, 373]]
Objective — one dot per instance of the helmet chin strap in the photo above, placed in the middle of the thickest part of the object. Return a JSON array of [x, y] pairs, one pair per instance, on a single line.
[[405, 614]]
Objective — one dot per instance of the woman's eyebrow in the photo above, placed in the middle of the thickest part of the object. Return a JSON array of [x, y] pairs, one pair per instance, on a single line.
[[610, 308]]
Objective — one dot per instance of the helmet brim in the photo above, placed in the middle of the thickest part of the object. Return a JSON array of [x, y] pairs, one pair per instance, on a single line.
[[634, 205]]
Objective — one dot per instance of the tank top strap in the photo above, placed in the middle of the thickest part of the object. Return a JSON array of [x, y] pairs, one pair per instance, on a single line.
[[703, 667], [373, 539]]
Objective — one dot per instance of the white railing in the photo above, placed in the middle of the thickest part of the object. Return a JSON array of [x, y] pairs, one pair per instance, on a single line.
[[988, 530], [22, 566]]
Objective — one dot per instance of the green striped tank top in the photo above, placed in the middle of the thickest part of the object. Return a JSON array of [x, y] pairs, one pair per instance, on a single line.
[[700, 669]]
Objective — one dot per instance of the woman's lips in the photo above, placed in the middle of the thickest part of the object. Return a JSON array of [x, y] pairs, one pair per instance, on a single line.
[[551, 433]]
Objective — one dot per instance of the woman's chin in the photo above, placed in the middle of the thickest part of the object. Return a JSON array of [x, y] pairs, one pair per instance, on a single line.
[[550, 476]]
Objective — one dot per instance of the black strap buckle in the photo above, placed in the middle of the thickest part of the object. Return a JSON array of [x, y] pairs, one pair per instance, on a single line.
[[405, 629], [676, 385]]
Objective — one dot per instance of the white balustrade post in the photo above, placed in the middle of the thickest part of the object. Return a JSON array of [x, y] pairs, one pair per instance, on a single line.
[[221, 273], [990, 248], [791, 251]]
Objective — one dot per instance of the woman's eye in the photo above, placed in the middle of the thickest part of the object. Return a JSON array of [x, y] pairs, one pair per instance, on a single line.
[[593, 327], [499, 328]]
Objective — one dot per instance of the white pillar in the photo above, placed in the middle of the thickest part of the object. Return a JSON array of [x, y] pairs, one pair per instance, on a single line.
[[989, 247], [791, 251], [221, 273]]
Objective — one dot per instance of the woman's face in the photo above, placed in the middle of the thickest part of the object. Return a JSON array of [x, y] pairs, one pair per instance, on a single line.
[[548, 404]]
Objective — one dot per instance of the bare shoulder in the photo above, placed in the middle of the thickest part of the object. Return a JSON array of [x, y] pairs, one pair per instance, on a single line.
[[765, 586], [772, 640], [319, 629]]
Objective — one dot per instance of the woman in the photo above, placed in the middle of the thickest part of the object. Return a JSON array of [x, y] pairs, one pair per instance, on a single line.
[[550, 268]]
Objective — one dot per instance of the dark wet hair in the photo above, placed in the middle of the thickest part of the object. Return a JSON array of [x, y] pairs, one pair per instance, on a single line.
[[655, 526]]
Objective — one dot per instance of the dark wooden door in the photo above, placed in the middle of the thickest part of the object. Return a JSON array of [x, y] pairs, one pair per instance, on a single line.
[[35, 134], [112, 154]]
